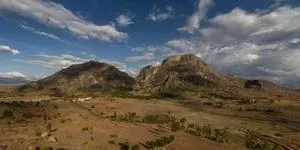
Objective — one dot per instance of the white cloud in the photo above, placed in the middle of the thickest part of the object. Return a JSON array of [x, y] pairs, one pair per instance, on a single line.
[[182, 45], [59, 61], [193, 22], [4, 48], [91, 56], [158, 15], [146, 48], [146, 57], [124, 20], [48, 35], [12, 75], [57, 16], [272, 26]]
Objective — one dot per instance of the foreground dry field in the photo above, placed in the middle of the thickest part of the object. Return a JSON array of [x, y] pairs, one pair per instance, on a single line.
[[116, 123]]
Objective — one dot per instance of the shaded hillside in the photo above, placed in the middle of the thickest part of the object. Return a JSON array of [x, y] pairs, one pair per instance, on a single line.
[[88, 77]]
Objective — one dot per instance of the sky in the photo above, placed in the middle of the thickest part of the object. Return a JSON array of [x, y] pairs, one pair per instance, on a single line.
[[256, 39]]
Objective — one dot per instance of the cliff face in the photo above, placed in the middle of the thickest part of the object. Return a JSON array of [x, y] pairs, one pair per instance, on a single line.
[[178, 71]]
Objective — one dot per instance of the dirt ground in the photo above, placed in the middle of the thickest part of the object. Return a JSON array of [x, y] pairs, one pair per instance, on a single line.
[[100, 123]]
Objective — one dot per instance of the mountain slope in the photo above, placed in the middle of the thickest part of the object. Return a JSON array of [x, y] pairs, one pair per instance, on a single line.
[[91, 76], [178, 71]]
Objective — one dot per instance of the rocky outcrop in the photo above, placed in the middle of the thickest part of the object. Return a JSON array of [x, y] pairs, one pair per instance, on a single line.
[[176, 72]]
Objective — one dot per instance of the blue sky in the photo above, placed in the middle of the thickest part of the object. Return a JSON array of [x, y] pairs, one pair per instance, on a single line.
[[248, 38]]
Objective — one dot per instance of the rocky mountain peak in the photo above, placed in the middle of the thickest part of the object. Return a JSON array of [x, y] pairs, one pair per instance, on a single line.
[[178, 71]]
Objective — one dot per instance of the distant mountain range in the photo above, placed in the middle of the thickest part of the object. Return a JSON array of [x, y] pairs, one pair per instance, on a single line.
[[13, 78], [184, 72]]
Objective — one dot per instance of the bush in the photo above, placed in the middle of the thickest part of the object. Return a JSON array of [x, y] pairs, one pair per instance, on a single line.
[[49, 126], [85, 129], [124, 146], [176, 126], [161, 142], [112, 142], [8, 114], [206, 131], [207, 103], [114, 135], [158, 119], [183, 120], [167, 93], [135, 147], [252, 143]]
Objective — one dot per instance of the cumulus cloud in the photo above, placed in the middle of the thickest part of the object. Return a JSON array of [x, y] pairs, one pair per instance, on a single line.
[[146, 48], [193, 22], [161, 15], [91, 56], [12, 75], [124, 20], [7, 49], [45, 34], [57, 16], [182, 45], [273, 26], [146, 57]]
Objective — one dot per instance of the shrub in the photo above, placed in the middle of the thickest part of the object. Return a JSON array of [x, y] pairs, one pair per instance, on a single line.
[[183, 120], [161, 142], [158, 119], [218, 135], [49, 126], [167, 93], [207, 103], [8, 114], [206, 131], [124, 146], [252, 143], [135, 147], [221, 135], [85, 129], [114, 135], [112, 142], [176, 126], [62, 120]]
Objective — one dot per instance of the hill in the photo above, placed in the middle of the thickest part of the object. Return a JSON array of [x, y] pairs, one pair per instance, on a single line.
[[178, 71], [88, 77]]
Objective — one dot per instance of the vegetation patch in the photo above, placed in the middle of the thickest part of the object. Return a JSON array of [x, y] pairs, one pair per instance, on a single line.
[[254, 143], [167, 93], [8, 114], [149, 118], [206, 131], [161, 142], [158, 119]]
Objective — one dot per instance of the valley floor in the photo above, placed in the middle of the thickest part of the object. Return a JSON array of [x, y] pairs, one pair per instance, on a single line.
[[117, 123]]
